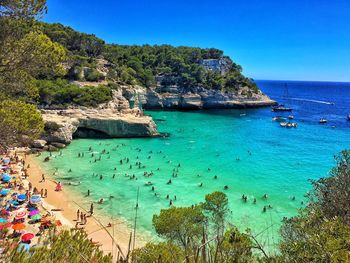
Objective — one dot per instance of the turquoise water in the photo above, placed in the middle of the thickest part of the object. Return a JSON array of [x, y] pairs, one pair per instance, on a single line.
[[250, 154]]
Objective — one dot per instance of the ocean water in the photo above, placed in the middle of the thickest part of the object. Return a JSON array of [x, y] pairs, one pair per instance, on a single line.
[[245, 149]]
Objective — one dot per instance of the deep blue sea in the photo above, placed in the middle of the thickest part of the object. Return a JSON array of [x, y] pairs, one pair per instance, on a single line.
[[245, 149]]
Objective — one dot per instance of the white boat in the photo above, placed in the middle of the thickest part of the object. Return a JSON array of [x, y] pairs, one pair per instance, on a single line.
[[288, 124], [291, 117], [283, 124], [279, 119], [323, 120]]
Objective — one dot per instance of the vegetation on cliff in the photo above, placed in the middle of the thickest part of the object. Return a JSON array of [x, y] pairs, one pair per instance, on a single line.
[[142, 65], [61, 93]]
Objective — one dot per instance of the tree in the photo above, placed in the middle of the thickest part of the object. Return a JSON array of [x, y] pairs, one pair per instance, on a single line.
[[216, 206], [19, 123], [236, 247], [183, 225], [321, 231], [158, 252], [25, 52], [71, 246], [332, 194]]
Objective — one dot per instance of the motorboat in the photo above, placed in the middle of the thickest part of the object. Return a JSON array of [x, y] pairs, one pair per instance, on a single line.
[[288, 124], [323, 121], [279, 119], [280, 108], [291, 117]]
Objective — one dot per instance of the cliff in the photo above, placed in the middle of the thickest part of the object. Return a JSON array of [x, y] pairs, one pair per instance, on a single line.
[[114, 119], [200, 98]]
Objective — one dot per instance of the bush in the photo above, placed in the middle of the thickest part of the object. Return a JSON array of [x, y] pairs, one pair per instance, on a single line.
[[63, 93]]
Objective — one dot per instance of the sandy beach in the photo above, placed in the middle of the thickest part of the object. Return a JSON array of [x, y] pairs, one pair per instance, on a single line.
[[68, 204]]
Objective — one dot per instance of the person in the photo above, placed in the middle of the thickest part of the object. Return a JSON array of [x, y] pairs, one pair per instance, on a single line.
[[264, 209], [101, 201], [43, 178], [254, 202], [225, 187], [91, 209], [170, 202], [88, 192], [78, 215], [45, 194], [265, 196], [58, 187], [42, 192], [81, 218]]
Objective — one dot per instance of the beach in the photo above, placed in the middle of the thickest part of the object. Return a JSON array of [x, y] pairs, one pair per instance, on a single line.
[[68, 204]]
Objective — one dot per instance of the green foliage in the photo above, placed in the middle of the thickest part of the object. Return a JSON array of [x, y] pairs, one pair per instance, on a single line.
[[93, 75], [142, 64], [154, 252], [181, 225], [332, 194], [216, 207], [77, 43], [25, 54], [71, 246], [236, 247], [321, 232], [61, 93], [19, 123]]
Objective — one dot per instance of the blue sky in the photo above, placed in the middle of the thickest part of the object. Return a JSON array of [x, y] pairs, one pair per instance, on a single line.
[[271, 39]]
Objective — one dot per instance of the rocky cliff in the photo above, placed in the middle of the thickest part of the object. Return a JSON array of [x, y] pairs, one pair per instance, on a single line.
[[114, 119], [174, 97]]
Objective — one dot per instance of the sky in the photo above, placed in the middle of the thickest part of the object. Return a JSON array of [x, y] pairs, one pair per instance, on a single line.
[[270, 39]]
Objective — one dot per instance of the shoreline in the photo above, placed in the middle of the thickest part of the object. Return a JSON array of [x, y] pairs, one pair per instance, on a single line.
[[96, 226]]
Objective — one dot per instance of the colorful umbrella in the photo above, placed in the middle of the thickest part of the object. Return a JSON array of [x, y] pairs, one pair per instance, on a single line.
[[23, 247], [27, 236], [21, 197], [18, 226], [34, 212], [5, 191], [13, 202], [36, 217], [6, 178], [2, 220], [35, 199], [4, 212], [20, 215]]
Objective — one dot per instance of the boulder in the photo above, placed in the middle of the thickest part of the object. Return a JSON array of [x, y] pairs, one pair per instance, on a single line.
[[58, 145], [39, 144]]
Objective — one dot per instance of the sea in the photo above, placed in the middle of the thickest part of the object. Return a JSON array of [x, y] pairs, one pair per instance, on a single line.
[[243, 149]]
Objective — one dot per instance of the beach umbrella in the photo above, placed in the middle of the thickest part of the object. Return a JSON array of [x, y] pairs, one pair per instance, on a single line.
[[36, 217], [35, 199], [34, 212], [27, 237], [23, 247], [2, 220], [4, 212], [18, 226], [5, 191], [6, 178], [21, 197], [20, 215]]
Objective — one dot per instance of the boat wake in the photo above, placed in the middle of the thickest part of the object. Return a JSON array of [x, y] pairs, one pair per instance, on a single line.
[[314, 101]]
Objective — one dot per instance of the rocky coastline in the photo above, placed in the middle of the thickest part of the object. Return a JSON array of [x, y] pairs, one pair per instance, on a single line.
[[123, 117]]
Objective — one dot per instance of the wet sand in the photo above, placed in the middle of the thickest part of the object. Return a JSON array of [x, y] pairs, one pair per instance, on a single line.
[[68, 203]]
